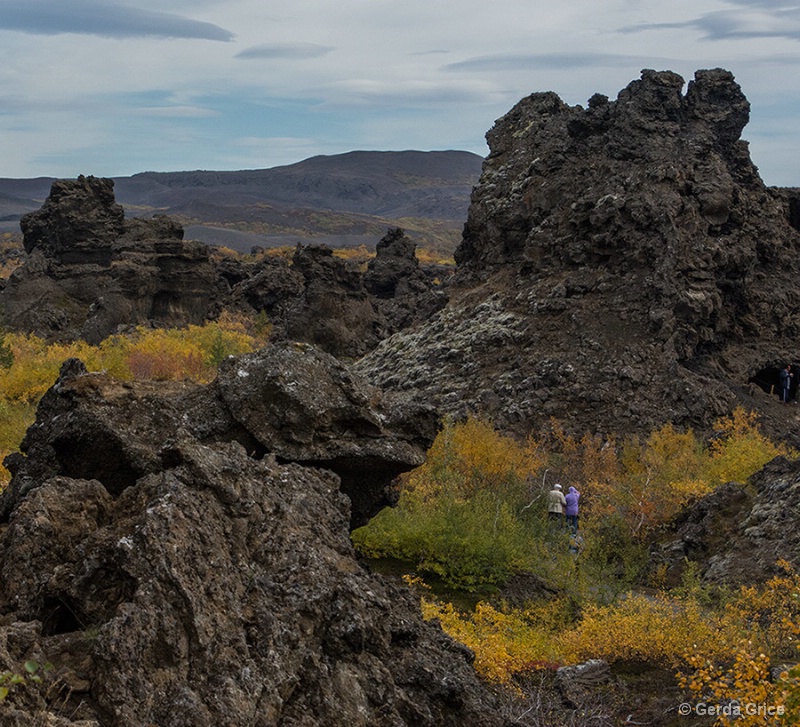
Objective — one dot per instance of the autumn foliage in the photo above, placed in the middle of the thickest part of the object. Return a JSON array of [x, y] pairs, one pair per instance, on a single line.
[[464, 515], [645, 483], [474, 514], [29, 365]]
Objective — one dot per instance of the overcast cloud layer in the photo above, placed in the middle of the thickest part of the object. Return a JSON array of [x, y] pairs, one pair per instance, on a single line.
[[113, 88]]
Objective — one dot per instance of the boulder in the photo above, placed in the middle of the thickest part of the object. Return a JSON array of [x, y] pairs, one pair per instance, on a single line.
[[174, 575], [300, 404]]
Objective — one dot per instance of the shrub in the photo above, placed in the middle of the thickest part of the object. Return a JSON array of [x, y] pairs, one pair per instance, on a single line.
[[504, 643], [464, 514], [757, 629], [653, 629], [739, 449]]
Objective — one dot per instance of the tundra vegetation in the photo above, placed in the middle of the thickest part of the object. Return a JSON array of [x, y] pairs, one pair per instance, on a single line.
[[474, 515]]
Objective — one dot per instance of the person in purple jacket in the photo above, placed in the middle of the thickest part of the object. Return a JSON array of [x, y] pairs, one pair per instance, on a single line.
[[571, 509]]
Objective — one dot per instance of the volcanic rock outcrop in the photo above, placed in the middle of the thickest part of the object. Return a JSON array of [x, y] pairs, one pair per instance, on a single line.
[[180, 554], [738, 534], [622, 265], [322, 299], [90, 271]]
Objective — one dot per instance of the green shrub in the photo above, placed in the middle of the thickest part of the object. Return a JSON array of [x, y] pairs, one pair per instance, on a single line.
[[471, 514]]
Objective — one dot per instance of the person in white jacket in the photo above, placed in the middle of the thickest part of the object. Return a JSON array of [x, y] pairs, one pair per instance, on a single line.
[[556, 504]]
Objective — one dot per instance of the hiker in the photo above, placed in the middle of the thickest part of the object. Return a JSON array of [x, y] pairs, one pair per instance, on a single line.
[[785, 380], [556, 504], [571, 508]]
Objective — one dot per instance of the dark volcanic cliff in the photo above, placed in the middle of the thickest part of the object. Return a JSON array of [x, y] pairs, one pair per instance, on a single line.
[[622, 265], [180, 554]]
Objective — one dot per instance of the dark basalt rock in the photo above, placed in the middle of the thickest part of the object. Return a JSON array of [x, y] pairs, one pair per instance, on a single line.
[[302, 405], [77, 224], [334, 310], [394, 265], [322, 299], [738, 534], [90, 272], [290, 401], [622, 265], [405, 293], [173, 576]]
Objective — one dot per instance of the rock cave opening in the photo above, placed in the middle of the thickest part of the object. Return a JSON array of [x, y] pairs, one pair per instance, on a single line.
[[88, 457], [768, 380], [794, 212], [366, 482], [58, 616]]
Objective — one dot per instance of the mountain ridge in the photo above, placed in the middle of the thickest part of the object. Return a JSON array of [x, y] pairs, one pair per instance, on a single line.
[[355, 195]]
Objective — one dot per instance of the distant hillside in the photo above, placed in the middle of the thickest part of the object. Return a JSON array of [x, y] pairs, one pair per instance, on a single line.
[[347, 199]]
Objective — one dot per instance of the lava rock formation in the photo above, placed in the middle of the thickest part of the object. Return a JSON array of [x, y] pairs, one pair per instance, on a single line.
[[163, 548], [622, 266], [322, 299], [90, 272]]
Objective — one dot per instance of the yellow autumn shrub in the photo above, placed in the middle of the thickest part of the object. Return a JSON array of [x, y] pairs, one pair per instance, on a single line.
[[742, 681], [469, 456], [505, 643], [653, 629], [757, 630], [739, 449], [193, 353]]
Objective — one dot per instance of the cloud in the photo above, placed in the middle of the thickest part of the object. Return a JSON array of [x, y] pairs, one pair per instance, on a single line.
[[290, 51], [97, 17], [778, 20], [175, 112], [406, 94], [768, 4], [545, 61]]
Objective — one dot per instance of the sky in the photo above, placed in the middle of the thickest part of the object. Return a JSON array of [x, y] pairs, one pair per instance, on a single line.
[[116, 87]]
